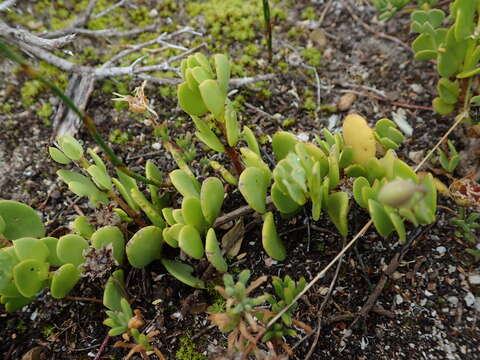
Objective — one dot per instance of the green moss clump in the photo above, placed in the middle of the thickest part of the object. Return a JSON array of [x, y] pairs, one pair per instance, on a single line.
[[118, 137], [30, 91], [44, 113], [238, 20], [290, 121], [188, 350], [308, 13], [312, 56]]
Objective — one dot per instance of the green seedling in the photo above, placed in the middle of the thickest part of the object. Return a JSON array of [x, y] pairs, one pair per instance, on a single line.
[[449, 163], [118, 320], [241, 311], [152, 172], [19, 220], [110, 235], [285, 290], [466, 226], [145, 246]]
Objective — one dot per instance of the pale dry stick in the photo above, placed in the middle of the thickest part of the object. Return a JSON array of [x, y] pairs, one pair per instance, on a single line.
[[362, 231], [322, 16], [111, 8], [113, 32], [138, 47], [6, 4], [29, 38], [322, 308]]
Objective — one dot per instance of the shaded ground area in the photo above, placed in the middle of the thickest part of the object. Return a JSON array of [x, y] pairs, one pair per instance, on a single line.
[[429, 309]]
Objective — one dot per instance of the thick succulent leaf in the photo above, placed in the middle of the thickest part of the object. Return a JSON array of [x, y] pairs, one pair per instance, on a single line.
[[100, 177], [222, 69], [63, 280], [182, 272], [358, 185], [171, 234], [284, 203], [271, 242], [213, 97], [70, 147], [70, 249], [283, 143], [253, 185], [190, 242], [232, 127], [213, 252], [184, 184], [58, 156], [190, 100], [192, 213], [20, 220], [29, 276], [252, 143], [51, 243], [211, 198], [380, 218], [145, 246], [113, 292], [337, 209], [30, 248], [82, 226], [359, 136], [207, 136]]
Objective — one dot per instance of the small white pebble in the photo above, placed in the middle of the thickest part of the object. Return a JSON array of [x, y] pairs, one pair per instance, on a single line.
[[469, 299], [156, 146], [441, 250], [474, 279]]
